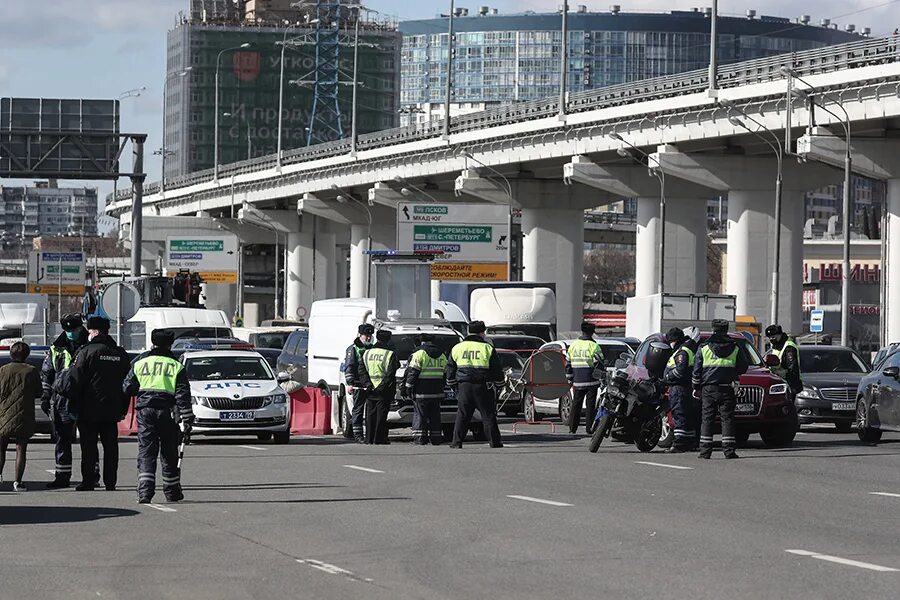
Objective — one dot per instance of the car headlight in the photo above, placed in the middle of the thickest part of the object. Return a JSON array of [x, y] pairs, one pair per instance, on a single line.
[[810, 393], [275, 399], [779, 389]]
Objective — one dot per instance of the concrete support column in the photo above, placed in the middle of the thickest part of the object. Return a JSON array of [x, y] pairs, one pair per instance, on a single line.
[[751, 219], [685, 260], [359, 270], [891, 261], [298, 290], [553, 250], [311, 270]]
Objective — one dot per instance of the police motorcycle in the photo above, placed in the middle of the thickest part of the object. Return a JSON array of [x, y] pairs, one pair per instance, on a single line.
[[635, 407]]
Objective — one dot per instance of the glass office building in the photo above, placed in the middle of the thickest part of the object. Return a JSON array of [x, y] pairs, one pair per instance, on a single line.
[[508, 58]]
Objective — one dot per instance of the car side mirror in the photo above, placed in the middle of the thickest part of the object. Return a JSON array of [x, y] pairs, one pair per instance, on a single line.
[[771, 360], [282, 377], [892, 372]]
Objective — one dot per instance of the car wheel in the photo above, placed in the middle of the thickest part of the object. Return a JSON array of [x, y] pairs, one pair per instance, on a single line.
[[779, 436], [843, 426], [667, 436], [867, 434], [346, 421], [264, 437], [529, 409], [282, 437], [565, 407]]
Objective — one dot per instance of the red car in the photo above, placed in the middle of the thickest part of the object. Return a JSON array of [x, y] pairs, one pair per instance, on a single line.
[[762, 404]]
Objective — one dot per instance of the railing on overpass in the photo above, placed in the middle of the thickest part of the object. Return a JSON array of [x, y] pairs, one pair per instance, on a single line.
[[806, 63]]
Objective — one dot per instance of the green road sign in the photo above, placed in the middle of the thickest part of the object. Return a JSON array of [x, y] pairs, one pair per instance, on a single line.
[[452, 233]]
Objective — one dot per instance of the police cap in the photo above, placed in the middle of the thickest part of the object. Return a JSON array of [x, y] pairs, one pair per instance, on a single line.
[[162, 338], [98, 323], [773, 331], [476, 327], [366, 329], [720, 326], [71, 322], [383, 335], [588, 328]]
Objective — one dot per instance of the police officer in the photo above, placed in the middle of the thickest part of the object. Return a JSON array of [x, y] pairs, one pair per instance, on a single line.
[[351, 375], [163, 394], [718, 367], [677, 376], [378, 375], [424, 381], [788, 354], [585, 371], [475, 370], [93, 386], [62, 351]]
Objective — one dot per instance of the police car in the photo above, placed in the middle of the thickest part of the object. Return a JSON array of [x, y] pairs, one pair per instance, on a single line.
[[236, 392]]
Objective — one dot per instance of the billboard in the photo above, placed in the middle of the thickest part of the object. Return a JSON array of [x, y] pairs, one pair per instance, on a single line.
[[213, 257], [59, 138]]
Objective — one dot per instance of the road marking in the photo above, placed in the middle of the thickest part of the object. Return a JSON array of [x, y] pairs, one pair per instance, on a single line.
[[539, 500], [162, 508], [332, 569], [843, 561], [366, 469], [655, 464], [888, 494], [252, 447]]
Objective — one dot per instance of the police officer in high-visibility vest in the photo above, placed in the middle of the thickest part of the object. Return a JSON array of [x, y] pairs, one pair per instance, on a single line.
[[585, 371], [475, 370], [378, 375], [788, 354], [685, 409], [163, 398], [424, 381], [718, 367], [56, 406], [352, 359]]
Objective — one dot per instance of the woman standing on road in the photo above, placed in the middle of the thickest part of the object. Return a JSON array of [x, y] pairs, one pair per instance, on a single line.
[[20, 385]]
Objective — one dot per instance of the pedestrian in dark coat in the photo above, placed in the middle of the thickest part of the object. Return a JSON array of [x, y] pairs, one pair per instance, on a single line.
[[20, 386], [93, 385]]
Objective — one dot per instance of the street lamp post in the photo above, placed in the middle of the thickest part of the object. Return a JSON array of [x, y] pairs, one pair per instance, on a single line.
[[164, 150], [660, 175], [281, 93], [848, 173], [779, 156], [564, 59], [449, 72], [216, 117]]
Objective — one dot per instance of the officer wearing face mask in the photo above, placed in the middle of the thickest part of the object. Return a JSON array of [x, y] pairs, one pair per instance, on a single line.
[[57, 407]]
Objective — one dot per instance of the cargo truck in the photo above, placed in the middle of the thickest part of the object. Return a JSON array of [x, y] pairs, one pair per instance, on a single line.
[[507, 306]]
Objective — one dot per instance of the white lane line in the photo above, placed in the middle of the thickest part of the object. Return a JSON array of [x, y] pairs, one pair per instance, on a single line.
[[655, 464], [539, 500], [252, 447], [888, 494], [162, 508], [332, 569], [843, 561], [366, 469]]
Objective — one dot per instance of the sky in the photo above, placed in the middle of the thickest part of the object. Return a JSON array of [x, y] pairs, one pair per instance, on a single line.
[[104, 48]]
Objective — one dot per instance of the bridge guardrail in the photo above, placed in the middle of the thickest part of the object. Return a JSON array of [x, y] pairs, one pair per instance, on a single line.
[[808, 62]]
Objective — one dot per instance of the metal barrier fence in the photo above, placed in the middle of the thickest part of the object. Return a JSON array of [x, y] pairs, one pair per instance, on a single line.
[[810, 62]]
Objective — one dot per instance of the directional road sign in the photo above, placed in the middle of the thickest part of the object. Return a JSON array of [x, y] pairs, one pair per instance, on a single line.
[[462, 233], [213, 257], [56, 273]]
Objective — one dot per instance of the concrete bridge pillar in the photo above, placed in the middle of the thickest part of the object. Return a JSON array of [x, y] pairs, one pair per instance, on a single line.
[[891, 262], [750, 183]]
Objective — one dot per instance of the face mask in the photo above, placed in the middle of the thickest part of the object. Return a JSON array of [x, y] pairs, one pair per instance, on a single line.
[[72, 335], [368, 341]]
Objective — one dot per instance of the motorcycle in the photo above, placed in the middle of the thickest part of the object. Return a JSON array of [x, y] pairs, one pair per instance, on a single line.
[[634, 407]]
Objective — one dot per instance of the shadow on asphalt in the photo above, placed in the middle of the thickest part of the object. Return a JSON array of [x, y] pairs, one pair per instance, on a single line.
[[41, 515], [262, 486], [299, 501]]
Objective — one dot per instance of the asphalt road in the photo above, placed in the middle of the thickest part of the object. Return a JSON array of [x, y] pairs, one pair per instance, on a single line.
[[540, 518]]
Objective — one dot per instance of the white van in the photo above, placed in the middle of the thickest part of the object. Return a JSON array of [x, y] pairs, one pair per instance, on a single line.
[[447, 311], [184, 322], [333, 326], [265, 337]]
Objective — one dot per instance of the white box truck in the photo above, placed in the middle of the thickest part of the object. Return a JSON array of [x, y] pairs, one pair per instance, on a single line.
[[646, 315], [507, 306]]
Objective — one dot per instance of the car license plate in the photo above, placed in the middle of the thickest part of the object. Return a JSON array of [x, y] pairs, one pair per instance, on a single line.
[[745, 407], [843, 406], [237, 416]]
